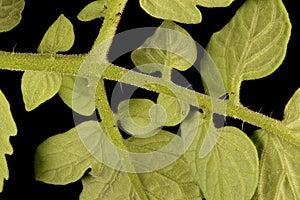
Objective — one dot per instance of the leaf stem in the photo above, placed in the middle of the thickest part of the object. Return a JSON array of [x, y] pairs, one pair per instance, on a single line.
[[112, 130], [110, 24], [108, 121], [267, 123], [104, 41], [70, 64], [166, 73]]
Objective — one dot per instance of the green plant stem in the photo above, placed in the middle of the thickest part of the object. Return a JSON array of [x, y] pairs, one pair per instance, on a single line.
[[166, 73], [109, 26], [70, 64], [109, 121], [112, 130], [106, 33], [269, 124], [105, 37], [51, 63]]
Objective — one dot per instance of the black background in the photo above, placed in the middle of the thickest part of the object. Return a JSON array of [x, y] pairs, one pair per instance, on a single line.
[[268, 95]]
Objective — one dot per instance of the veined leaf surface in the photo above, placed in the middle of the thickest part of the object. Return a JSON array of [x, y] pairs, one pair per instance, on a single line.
[[279, 158], [7, 128], [176, 110], [253, 44], [173, 182], [180, 11], [215, 3], [10, 14], [38, 87], [78, 95], [227, 156], [169, 47], [94, 10], [64, 158], [59, 37], [141, 117]]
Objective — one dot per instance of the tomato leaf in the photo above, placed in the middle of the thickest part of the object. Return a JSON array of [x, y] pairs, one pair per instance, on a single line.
[[78, 95], [38, 87], [169, 47], [141, 117], [59, 37], [10, 14], [64, 158], [252, 45], [227, 156], [279, 158], [94, 10], [180, 11], [176, 110], [7, 128]]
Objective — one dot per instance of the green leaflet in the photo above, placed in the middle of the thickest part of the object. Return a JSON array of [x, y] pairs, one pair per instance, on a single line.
[[173, 182], [59, 37], [175, 109], [215, 3], [141, 117], [253, 44], [224, 161], [180, 11], [291, 113], [64, 158], [7, 128], [279, 167], [94, 10], [79, 96], [10, 14], [38, 87], [279, 159], [162, 184], [232, 167], [175, 10], [169, 47]]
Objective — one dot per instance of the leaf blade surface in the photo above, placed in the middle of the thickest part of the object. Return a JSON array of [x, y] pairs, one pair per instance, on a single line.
[[63, 158], [7, 128], [279, 158], [10, 14], [253, 44], [38, 87], [180, 11], [224, 161]]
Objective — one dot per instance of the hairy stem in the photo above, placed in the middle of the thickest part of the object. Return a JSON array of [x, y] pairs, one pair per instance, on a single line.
[[166, 73], [108, 121], [70, 64], [105, 36], [112, 130], [110, 23], [271, 125]]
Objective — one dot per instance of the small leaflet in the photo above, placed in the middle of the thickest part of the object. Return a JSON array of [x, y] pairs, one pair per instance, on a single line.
[[169, 47], [38, 87], [141, 117], [94, 10], [78, 95]]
